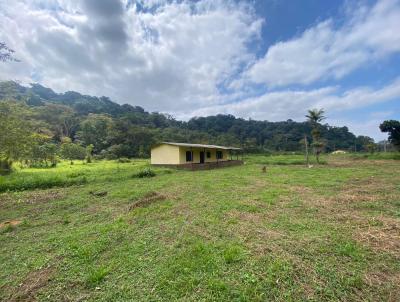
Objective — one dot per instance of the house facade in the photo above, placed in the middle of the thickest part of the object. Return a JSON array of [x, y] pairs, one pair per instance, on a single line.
[[183, 154]]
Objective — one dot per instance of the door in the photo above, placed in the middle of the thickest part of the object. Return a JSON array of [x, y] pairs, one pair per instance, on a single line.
[[201, 157]]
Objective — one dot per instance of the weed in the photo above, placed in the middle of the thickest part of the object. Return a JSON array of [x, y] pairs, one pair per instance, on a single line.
[[233, 253], [146, 173], [95, 276]]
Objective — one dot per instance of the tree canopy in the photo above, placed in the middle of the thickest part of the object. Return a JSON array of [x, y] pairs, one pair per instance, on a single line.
[[393, 128]]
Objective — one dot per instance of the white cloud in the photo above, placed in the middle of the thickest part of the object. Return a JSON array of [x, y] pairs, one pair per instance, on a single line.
[[174, 56], [293, 104], [368, 127], [169, 57], [326, 52]]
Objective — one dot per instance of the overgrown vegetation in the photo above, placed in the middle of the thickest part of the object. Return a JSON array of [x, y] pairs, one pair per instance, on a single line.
[[145, 173], [294, 233]]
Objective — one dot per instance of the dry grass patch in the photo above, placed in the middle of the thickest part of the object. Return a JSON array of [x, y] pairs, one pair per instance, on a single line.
[[9, 223], [147, 199], [32, 284], [385, 237], [346, 207]]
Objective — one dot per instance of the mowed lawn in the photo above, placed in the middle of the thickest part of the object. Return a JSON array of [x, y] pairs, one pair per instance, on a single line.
[[331, 232]]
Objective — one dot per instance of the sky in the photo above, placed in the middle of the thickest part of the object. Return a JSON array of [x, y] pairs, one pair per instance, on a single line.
[[260, 59]]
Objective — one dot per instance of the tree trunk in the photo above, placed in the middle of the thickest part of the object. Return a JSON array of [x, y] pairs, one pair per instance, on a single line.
[[306, 145]]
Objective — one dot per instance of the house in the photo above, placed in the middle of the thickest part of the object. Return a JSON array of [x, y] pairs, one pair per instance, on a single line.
[[194, 156]]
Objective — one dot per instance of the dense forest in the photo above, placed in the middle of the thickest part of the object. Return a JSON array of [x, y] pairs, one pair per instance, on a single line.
[[46, 120]]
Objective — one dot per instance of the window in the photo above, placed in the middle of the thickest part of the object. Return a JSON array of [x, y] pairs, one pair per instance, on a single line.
[[208, 154], [219, 155], [188, 155]]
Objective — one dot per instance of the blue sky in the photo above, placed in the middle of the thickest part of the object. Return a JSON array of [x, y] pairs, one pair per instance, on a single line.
[[264, 59]]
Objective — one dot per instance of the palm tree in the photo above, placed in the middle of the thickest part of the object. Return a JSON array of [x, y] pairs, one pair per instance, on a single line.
[[315, 116]]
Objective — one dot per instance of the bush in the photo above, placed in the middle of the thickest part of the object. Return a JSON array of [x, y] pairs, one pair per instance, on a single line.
[[124, 160], [34, 182], [5, 167], [145, 173]]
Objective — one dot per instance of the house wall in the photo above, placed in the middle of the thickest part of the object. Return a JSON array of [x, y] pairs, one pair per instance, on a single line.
[[196, 155], [165, 154]]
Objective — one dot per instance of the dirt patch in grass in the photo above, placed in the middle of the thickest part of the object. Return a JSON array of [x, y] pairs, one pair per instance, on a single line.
[[377, 278], [32, 284], [147, 199], [44, 196], [388, 280], [385, 237], [10, 223]]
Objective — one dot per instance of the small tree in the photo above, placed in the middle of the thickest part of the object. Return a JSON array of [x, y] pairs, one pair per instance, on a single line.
[[89, 153], [43, 154], [72, 151], [393, 128], [315, 117]]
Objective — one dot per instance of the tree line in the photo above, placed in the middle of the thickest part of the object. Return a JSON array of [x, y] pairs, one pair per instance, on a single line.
[[38, 125]]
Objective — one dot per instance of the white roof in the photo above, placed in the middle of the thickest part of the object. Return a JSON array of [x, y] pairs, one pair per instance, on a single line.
[[201, 146]]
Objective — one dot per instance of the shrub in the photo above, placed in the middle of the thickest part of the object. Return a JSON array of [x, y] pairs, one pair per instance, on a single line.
[[233, 254], [145, 173], [72, 151], [5, 166], [124, 160], [31, 183], [96, 276]]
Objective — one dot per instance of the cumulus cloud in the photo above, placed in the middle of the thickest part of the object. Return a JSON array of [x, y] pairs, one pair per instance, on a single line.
[[326, 51], [282, 105], [192, 58], [163, 55]]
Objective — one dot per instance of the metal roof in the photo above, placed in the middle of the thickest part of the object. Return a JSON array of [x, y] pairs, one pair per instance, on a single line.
[[201, 146]]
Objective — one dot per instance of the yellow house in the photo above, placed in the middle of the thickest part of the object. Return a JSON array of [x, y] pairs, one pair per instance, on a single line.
[[194, 156]]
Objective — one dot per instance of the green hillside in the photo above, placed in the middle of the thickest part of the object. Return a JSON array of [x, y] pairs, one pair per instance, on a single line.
[[129, 131]]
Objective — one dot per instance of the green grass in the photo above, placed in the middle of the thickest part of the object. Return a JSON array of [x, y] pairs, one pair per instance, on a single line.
[[294, 159], [377, 155], [67, 175], [294, 233]]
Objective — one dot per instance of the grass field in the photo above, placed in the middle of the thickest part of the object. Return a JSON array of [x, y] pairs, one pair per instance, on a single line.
[[97, 232]]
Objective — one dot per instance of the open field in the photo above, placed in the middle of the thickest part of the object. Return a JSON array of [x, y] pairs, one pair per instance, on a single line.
[[235, 234]]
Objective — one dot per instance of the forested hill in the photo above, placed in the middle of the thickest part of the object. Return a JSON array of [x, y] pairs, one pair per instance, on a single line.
[[124, 130]]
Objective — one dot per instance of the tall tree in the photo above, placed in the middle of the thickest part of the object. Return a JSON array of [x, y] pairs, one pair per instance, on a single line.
[[315, 117], [393, 128]]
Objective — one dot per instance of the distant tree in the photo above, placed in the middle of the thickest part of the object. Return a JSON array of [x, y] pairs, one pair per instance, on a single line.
[[365, 143], [96, 131], [16, 135], [393, 128], [6, 53], [43, 153], [61, 119], [72, 152], [315, 117]]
